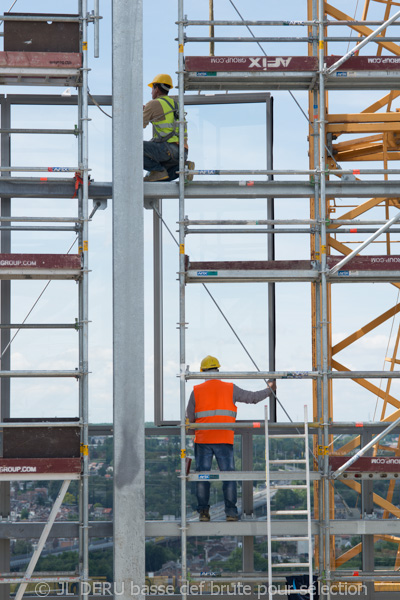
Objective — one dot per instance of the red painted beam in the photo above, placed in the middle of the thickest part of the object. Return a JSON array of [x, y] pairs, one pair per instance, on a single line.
[[246, 265], [368, 263], [19, 466], [287, 63], [367, 464], [358, 263], [40, 261], [40, 60]]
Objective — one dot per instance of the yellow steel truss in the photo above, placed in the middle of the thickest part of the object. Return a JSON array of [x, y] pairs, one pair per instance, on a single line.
[[381, 121]]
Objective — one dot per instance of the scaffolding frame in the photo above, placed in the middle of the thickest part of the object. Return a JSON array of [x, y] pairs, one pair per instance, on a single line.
[[322, 188], [48, 76]]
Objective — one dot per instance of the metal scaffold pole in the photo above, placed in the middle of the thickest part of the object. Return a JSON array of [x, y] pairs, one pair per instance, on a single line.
[[5, 309], [182, 311], [128, 299], [84, 299], [324, 292], [271, 256], [317, 289]]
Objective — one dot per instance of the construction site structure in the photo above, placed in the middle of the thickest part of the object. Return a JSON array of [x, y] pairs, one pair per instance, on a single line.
[[313, 66], [44, 448]]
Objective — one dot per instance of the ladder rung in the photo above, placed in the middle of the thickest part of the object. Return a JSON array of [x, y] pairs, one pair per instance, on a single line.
[[284, 565], [289, 512], [288, 487], [286, 435], [282, 461], [290, 539]]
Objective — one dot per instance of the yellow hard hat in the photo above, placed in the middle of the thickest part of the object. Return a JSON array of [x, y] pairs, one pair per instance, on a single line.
[[209, 362], [162, 78]]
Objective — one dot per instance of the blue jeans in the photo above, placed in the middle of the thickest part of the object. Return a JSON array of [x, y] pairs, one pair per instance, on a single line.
[[224, 454], [158, 156]]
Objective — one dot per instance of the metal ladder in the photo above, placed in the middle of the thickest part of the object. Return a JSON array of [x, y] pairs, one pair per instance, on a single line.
[[288, 486]]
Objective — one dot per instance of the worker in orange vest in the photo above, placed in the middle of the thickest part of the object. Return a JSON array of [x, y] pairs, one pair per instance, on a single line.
[[214, 401]]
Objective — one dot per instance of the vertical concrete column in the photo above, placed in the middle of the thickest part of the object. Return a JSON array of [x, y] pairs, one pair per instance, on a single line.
[[128, 301]]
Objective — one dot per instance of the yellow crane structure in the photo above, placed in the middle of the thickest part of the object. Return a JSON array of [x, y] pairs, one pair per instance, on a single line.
[[371, 135]]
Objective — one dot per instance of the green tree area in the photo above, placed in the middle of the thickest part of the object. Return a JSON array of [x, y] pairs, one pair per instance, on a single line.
[[234, 563], [162, 481], [21, 547], [289, 500], [157, 555], [100, 563]]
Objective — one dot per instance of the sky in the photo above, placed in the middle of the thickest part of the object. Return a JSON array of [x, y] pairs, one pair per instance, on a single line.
[[221, 137]]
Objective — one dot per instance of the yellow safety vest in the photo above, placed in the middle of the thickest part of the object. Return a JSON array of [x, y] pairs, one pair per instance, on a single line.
[[167, 130]]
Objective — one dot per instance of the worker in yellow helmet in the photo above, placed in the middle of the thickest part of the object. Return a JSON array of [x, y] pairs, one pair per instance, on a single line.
[[214, 401], [161, 154]]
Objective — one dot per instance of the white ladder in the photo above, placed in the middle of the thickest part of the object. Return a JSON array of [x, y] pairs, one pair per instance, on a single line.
[[289, 486]]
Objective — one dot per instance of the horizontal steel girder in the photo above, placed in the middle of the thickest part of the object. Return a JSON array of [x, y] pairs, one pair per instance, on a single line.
[[290, 276], [277, 189], [51, 189], [19, 530], [279, 527], [208, 189], [23, 530]]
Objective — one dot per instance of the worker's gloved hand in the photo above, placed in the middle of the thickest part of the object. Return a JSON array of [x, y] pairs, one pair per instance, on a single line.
[[272, 384]]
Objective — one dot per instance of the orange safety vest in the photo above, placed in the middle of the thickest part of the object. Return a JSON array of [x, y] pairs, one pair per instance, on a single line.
[[214, 404]]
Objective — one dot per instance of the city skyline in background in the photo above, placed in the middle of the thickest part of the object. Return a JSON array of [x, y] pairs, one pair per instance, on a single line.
[[220, 137]]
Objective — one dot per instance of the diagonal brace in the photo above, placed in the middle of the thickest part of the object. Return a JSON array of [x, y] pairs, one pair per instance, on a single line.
[[373, 35], [43, 538], [365, 449], [356, 251]]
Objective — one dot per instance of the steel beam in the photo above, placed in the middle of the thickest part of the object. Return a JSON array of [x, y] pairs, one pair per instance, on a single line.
[[51, 189], [105, 100], [279, 528], [19, 530], [203, 189], [207, 189], [128, 297]]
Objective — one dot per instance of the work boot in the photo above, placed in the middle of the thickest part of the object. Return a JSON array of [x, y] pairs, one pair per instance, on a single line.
[[190, 165], [232, 517], [156, 176], [204, 515]]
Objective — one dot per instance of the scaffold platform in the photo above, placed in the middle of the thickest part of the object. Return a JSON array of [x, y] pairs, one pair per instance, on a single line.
[[28, 469], [40, 68], [289, 73], [358, 269], [40, 266]]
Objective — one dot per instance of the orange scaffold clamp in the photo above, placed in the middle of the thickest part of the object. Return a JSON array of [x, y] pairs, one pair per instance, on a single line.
[[78, 182]]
